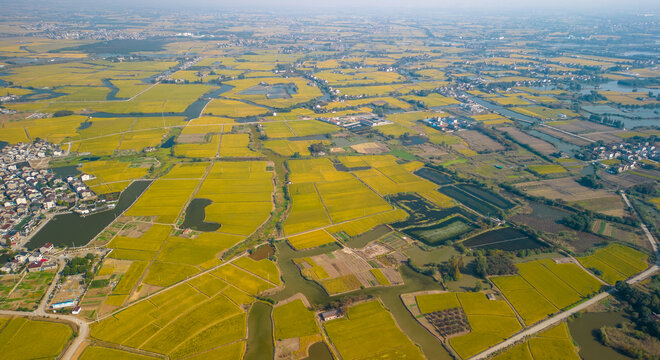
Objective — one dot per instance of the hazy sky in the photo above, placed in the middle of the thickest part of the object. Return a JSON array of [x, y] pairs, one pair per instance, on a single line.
[[443, 4], [583, 6]]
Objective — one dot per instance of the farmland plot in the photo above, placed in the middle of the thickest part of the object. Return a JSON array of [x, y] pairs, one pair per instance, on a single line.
[[367, 331]]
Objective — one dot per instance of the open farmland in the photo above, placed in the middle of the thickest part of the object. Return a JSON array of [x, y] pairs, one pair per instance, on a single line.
[[163, 199], [246, 188], [17, 338], [535, 143], [615, 262], [569, 190], [556, 341], [202, 314], [542, 287], [348, 270], [279, 184], [318, 190], [111, 176], [369, 330]]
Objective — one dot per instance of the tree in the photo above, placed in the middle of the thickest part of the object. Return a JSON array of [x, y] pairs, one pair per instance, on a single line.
[[481, 266], [579, 222]]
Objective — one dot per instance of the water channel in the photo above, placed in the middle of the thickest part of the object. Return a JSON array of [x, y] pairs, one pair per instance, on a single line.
[[413, 282]]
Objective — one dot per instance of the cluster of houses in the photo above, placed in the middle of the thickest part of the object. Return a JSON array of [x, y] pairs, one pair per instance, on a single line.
[[27, 193], [22, 152], [628, 154], [446, 124], [35, 260], [357, 121], [78, 185]]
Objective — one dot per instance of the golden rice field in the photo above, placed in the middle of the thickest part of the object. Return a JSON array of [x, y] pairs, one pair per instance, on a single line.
[[207, 149], [17, 338], [111, 175], [241, 193], [183, 321], [318, 191], [294, 320], [233, 108], [289, 148], [433, 100], [207, 125], [296, 128], [542, 287], [369, 331], [615, 262], [555, 342], [236, 145], [164, 199], [311, 239]]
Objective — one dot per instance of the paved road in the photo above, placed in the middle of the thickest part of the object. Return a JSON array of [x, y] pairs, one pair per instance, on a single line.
[[565, 314]]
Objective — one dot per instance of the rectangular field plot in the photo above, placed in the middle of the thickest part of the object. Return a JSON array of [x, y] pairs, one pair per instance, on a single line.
[[188, 319], [289, 148], [311, 239], [241, 193], [554, 343], [615, 262], [369, 331], [559, 293], [528, 302], [236, 145], [17, 338], [543, 286], [164, 198], [508, 239], [294, 320], [187, 171], [206, 149], [488, 321], [319, 194], [109, 174], [449, 229], [205, 247], [363, 202]]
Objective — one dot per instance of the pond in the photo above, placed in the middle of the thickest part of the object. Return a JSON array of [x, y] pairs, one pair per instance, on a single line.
[[561, 145], [413, 140], [66, 171], [583, 330], [615, 86], [74, 230], [277, 91], [195, 216], [168, 143], [502, 110], [319, 351]]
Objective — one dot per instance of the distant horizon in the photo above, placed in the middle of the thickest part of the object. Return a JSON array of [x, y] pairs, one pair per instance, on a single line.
[[481, 7]]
